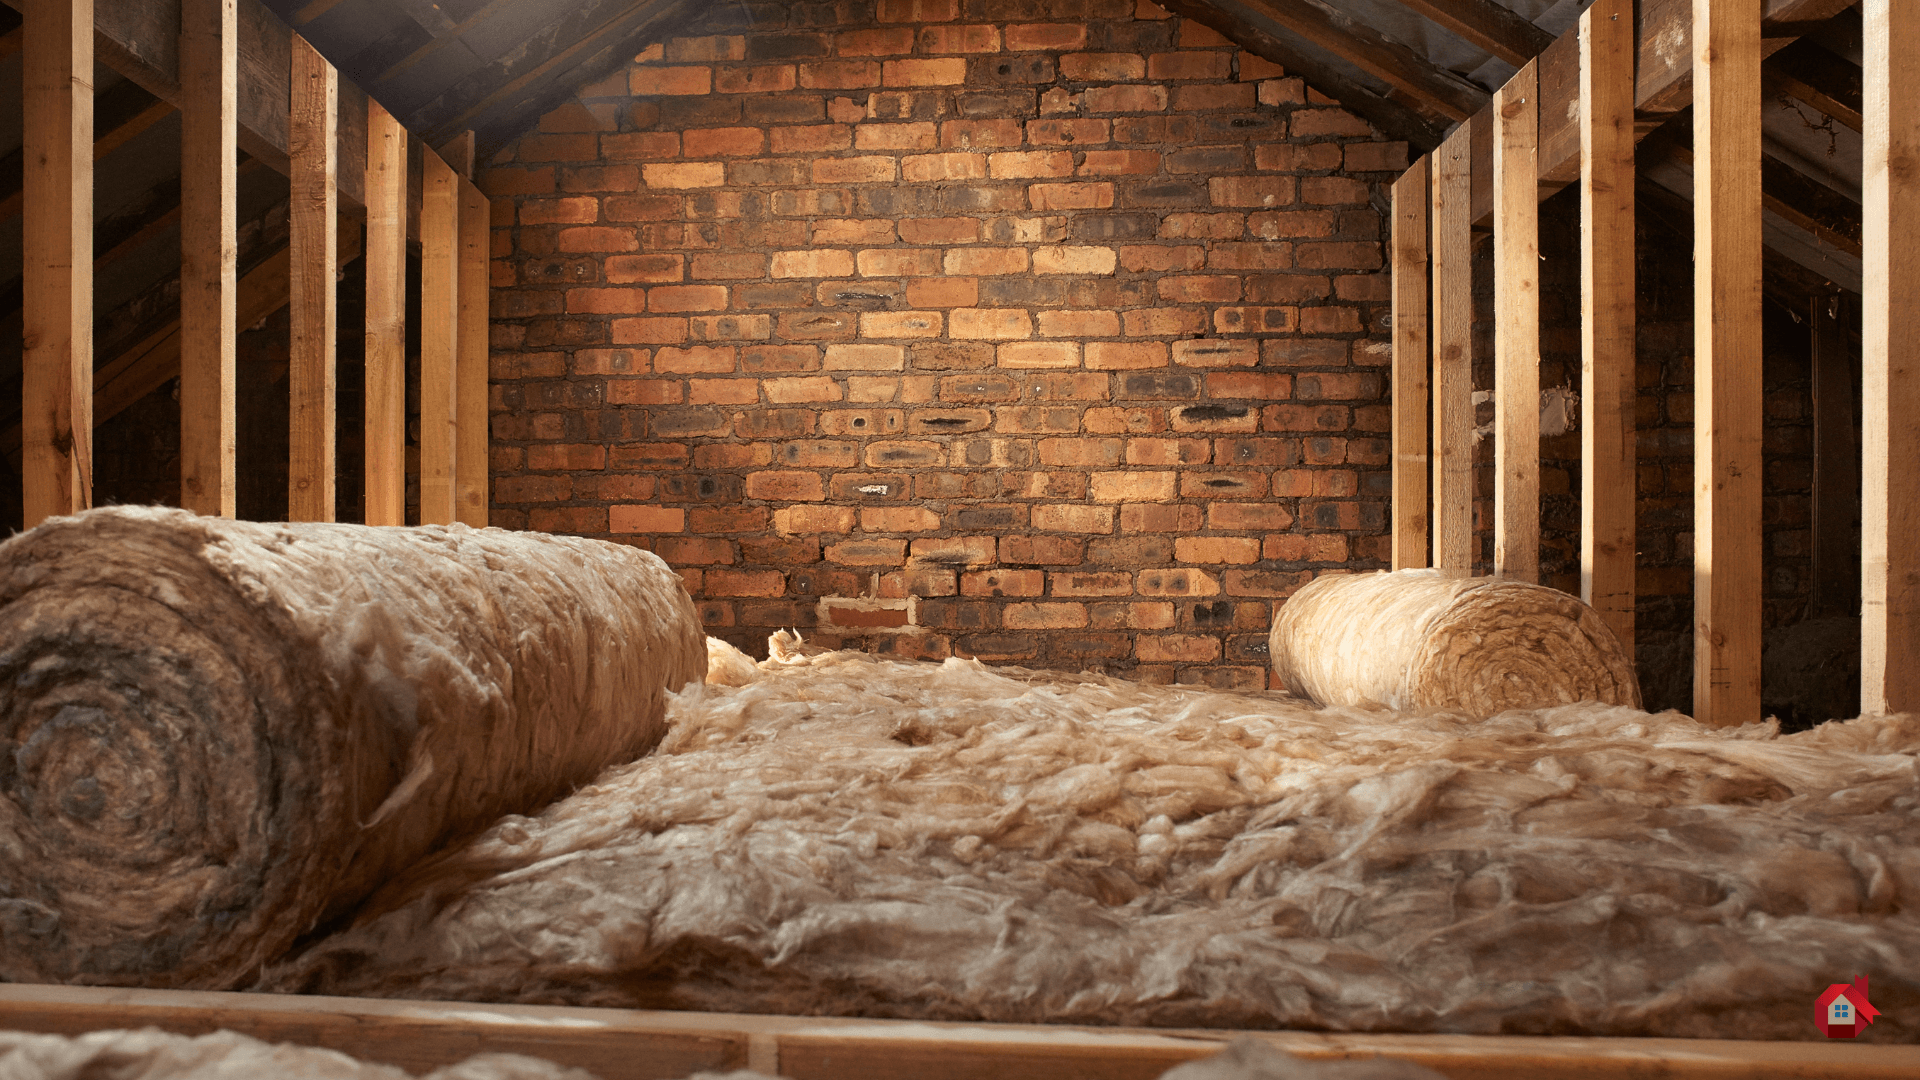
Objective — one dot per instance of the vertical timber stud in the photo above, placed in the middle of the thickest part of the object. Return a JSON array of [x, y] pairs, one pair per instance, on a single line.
[[439, 335], [1726, 350], [1516, 341], [1890, 362], [1411, 364], [57, 192], [1452, 352], [470, 457], [1608, 470], [209, 250], [386, 255], [312, 120]]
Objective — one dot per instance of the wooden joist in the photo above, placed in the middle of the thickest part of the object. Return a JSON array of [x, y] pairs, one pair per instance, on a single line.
[[1377, 54], [1608, 467], [630, 1043], [1516, 340], [1411, 364], [57, 245], [1890, 362], [439, 335], [386, 307], [209, 250], [1727, 386], [314, 262], [1488, 25], [1452, 315], [471, 459]]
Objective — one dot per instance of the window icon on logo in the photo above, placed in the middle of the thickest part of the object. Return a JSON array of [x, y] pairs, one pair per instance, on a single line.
[[1843, 1010]]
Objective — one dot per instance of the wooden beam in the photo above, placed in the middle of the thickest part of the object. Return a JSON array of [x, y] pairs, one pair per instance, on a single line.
[[458, 153], [1377, 54], [313, 215], [1890, 363], [1516, 340], [104, 143], [1411, 364], [1608, 452], [439, 336], [424, 1035], [1486, 25], [1727, 396], [1452, 520], [11, 40], [57, 245], [209, 250], [1836, 457], [386, 347], [471, 460]]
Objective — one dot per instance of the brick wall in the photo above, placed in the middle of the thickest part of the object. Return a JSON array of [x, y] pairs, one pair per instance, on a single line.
[[1043, 331]]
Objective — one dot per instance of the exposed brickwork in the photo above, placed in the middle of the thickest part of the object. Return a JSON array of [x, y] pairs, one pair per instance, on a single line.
[[1040, 332]]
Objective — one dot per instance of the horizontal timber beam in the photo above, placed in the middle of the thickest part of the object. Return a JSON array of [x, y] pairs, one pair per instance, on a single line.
[[1486, 25]]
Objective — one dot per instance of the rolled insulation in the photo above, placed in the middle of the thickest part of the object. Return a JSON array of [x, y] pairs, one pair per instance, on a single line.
[[215, 735], [1414, 639]]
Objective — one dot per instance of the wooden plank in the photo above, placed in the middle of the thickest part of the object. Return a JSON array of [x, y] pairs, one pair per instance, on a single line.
[[621, 1043], [439, 336], [1411, 364], [1376, 54], [1516, 332], [209, 249], [1836, 458], [1482, 150], [1608, 467], [314, 219], [57, 246], [1890, 362], [1727, 461], [1452, 314], [1560, 113], [458, 153], [470, 454], [1486, 25], [386, 346]]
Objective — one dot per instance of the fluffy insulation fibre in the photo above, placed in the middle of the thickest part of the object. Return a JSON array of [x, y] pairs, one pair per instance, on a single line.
[[843, 835], [1416, 639], [216, 734]]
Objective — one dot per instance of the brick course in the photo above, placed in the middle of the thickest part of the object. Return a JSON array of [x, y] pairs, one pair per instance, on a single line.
[[961, 328]]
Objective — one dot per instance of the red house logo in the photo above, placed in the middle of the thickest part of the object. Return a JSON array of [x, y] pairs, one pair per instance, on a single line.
[[1844, 1010]]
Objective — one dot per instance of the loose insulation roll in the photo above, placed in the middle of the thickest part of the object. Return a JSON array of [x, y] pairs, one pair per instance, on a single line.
[[1414, 639], [215, 734]]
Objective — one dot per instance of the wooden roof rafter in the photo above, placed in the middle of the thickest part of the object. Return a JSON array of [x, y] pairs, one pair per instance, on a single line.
[[1390, 61], [1487, 25]]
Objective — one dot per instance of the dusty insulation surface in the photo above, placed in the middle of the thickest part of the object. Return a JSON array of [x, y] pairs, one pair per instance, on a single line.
[[215, 733], [150, 1054], [848, 836], [1414, 639]]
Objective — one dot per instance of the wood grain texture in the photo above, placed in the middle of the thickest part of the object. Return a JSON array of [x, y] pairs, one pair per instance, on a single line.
[[1377, 54], [1608, 475], [470, 457], [1727, 387], [209, 252], [57, 247], [386, 345], [1453, 353], [422, 1035], [1890, 363], [1412, 466], [1516, 332], [439, 336], [312, 120], [1486, 25]]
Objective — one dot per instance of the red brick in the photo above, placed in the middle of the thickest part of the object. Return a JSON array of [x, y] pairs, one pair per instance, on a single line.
[[1376, 157], [1312, 547], [575, 211], [925, 168], [1102, 67], [696, 174], [700, 359], [609, 361], [802, 389], [646, 519], [1176, 582], [723, 142], [757, 79], [1277, 583], [504, 182], [1253, 320], [921, 136], [1330, 320], [1079, 323], [1201, 97], [1042, 550], [1234, 550], [975, 134], [874, 169], [989, 324], [1160, 258], [1073, 518], [671, 81], [845, 231], [600, 178], [890, 41], [959, 39], [627, 269], [952, 230], [1190, 65], [723, 392], [1120, 163], [1125, 99], [1168, 451], [1337, 256], [567, 456], [687, 298], [522, 489], [716, 47], [578, 520], [645, 392], [1120, 355], [1248, 517], [1005, 583], [1041, 616], [1132, 486], [1199, 288], [664, 331], [785, 486], [1068, 132], [901, 324], [1255, 68], [641, 145], [1029, 164], [694, 551], [943, 292], [985, 261], [868, 552], [1085, 196], [1030, 37], [744, 583], [583, 147], [898, 262], [605, 301], [1251, 190], [1038, 354], [943, 72], [826, 262], [811, 138], [1177, 648], [955, 551], [793, 520], [918, 11], [840, 74], [1157, 518]]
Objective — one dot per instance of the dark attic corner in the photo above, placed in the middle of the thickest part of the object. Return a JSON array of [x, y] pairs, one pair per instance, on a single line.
[[1215, 539]]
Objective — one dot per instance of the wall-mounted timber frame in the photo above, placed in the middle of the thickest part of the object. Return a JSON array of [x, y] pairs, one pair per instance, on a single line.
[[1516, 332], [439, 335], [1411, 465], [246, 86], [1452, 334]]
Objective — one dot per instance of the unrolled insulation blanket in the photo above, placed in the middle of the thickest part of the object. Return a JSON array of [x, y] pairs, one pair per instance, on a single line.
[[1415, 639], [849, 836], [215, 734]]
